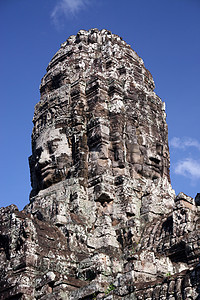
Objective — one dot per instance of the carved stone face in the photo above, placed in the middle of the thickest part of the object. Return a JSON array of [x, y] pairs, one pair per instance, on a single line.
[[51, 158], [153, 162], [116, 122]]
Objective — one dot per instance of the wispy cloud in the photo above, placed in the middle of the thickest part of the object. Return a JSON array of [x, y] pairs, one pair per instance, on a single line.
[[67, 8], [188, 167], [184, 143]]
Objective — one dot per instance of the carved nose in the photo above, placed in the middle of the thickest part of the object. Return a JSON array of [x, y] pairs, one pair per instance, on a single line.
[[44, 158]]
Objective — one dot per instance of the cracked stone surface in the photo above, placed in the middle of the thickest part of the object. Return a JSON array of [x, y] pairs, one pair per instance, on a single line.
[[103, 221]]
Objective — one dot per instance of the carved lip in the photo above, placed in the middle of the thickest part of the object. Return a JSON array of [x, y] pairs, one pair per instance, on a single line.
[[46, 170], [155, 167]]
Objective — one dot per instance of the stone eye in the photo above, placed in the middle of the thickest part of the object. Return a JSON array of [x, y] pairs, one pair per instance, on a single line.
[[53, 145]]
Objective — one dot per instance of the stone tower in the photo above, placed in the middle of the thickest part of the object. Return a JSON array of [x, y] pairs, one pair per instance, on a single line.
[[100, 127], [103, 220]]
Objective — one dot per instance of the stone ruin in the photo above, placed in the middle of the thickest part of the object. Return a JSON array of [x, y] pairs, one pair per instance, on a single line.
[[103, 221]]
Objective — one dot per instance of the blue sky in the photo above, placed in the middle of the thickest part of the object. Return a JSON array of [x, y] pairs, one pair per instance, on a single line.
[[165, 33]]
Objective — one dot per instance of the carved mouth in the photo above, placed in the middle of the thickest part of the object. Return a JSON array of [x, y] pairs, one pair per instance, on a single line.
[[46, 171], [154, 167]]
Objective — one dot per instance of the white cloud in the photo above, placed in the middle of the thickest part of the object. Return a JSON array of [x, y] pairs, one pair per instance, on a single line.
[[175, 142], [67, 8], [184, 142], [188, 167]]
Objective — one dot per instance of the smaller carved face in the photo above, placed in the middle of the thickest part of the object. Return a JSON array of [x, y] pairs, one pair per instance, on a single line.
[[153, 167], [51, 158], [156, 161], [149, 160]]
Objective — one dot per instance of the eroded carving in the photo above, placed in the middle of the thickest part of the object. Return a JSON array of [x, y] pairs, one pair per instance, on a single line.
[[103, 221]]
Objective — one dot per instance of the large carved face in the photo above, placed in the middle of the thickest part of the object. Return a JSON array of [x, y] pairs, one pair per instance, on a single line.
[[51, 158], [116, 121]]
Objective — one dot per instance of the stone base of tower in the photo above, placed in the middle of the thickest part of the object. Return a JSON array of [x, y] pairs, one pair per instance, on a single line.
[[49, 255]]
